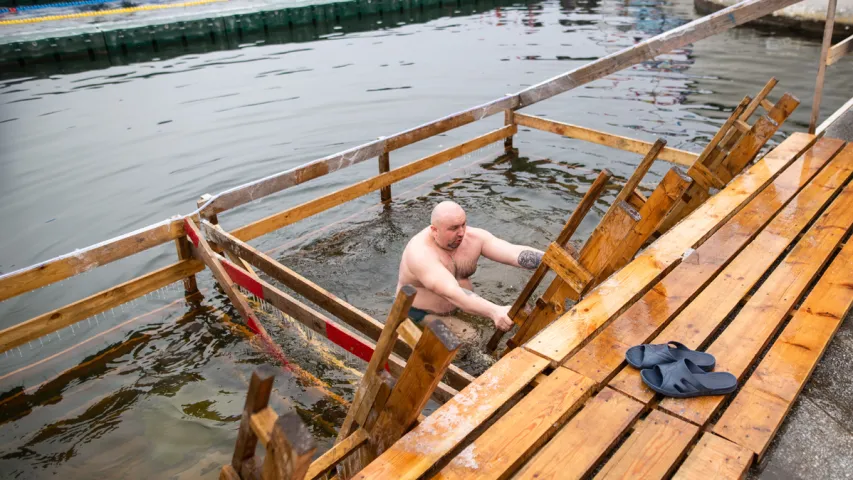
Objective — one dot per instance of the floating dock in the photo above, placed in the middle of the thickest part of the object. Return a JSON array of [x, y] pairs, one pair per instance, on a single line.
[[115, 32]]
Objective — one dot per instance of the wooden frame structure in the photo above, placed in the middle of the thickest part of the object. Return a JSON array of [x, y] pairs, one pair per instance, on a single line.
[[631, 223]]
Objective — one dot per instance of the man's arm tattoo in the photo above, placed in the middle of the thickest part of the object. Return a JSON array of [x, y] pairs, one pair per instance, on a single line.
[[529, 259], [469, 292]]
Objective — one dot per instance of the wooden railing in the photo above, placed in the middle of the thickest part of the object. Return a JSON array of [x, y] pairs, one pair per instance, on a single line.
[[61, 268]]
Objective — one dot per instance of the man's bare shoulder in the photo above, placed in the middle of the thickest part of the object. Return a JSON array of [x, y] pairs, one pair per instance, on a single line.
[[479, 234]]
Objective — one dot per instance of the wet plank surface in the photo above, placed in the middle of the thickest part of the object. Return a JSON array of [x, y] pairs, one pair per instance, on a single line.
[[760, 407]]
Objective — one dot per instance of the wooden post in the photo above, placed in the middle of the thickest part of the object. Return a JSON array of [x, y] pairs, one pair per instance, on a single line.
[[429, 361], [289, 450], [509, 119], [384, 167], [260, 387], [821, 67], [185, 253], [370, 382]]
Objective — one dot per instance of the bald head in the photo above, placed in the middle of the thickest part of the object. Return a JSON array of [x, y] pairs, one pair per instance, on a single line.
[[447, 224], [447, 212]]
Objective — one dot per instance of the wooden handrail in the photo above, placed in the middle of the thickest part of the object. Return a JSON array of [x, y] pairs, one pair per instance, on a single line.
[[674, 155], [79, 261]]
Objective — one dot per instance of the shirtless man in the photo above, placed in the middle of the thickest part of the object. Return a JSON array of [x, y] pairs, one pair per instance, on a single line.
[[440, 260]]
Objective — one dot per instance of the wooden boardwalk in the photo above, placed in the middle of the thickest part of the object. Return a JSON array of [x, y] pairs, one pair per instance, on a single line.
[[758, 275]]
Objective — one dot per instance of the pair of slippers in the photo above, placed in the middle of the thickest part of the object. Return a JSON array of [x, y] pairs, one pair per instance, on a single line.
[[674, 370]]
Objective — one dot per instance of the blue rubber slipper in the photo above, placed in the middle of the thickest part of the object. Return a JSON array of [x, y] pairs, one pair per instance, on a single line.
[[649, 355], [683, 379]]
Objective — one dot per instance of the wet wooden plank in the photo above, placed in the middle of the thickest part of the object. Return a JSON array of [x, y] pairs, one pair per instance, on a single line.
[[578, 447], [32, 329], [602, 357], [321, 204], [262, 423], [760, 407], [257, 398], [570, 332], [658, 442], [715, 458], [498, 452], [83, 260], [674, 155], [701, 318], [745, 337], [453, 422]]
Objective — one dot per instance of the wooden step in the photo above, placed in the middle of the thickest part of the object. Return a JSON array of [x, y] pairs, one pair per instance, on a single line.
[[579, 446], [602, 356], [701, 318], [762, 404]]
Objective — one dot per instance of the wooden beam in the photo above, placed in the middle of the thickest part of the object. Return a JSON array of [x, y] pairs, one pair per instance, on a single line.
[[350, 315], [335, 455], [821, 66], [182, 246], [566, 267], [290, 450], [70, 314], [367, 389], [841, 49], [704, 177], [714, 147], [681, 157], [263, 423], [313, 207], [257, 398], [83, 260], [430, 359]]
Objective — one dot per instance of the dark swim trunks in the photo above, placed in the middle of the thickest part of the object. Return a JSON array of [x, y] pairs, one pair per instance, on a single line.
[[417, 315]]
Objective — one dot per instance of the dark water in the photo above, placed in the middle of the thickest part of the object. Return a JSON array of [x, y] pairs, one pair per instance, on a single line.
[[156, 387]]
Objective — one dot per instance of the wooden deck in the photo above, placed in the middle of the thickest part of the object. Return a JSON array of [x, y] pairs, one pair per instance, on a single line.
[[758, 275]]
